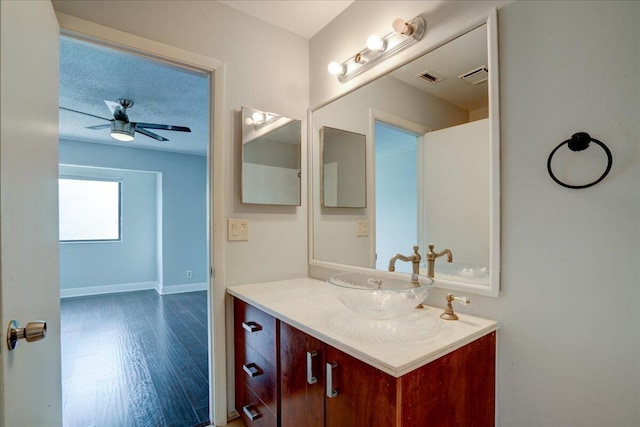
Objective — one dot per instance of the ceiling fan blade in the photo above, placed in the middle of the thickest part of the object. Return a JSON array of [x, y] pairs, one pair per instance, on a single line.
[[86, 114], [96, 127], [162, 127], [150, 134]]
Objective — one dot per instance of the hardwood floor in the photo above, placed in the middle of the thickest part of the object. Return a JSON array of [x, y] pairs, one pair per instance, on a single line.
[[135, 359]]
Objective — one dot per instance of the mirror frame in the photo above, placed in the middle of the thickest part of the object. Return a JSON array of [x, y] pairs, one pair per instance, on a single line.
[[493, 288]]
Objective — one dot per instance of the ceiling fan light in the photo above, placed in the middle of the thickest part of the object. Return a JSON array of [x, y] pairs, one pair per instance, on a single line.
[[122, 131]]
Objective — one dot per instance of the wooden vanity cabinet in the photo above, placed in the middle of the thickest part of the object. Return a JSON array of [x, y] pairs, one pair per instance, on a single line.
[[256, 367], [457, 389], [364, 394], [301, 378]]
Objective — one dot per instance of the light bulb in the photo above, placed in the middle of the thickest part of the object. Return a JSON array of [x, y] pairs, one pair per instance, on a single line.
[[336, 69], [248, 121], [375, 43], [121, 136], [258, 117], [400, 26]]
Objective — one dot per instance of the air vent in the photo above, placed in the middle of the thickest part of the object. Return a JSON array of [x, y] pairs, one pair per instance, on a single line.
[[430, 77], [476, 76]]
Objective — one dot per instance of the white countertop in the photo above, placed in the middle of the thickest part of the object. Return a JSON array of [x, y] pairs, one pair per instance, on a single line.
[[395, 346]]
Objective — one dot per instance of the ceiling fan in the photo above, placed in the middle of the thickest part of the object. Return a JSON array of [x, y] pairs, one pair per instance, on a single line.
[[122, 129]]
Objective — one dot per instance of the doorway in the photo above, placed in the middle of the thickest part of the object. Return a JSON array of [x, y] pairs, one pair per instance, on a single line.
[[396, 192], [135, 317]]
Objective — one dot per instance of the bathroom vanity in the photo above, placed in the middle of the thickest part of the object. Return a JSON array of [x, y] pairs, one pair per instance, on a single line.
[[303, 359]]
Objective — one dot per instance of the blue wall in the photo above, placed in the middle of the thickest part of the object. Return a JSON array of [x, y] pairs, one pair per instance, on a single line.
[[184, 227]]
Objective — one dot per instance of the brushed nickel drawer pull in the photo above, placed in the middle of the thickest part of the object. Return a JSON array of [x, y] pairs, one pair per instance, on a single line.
[[331, 391], [252, 369], [251, 327], [252, 413], [311, 379]]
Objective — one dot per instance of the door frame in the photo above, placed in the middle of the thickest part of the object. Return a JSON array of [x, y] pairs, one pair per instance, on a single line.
[[78, 28]]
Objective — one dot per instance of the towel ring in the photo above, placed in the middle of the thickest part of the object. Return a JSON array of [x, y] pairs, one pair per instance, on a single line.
[[578, 142]]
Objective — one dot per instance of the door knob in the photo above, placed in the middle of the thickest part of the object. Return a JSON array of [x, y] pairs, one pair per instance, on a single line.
[[34, 331]]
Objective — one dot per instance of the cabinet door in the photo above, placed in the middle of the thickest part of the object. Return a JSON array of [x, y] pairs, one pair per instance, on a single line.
[[459, 388], [357, 394], [302, 379]]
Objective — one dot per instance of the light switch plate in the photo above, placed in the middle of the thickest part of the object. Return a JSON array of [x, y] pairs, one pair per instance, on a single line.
[[238, 229], [362, 228]]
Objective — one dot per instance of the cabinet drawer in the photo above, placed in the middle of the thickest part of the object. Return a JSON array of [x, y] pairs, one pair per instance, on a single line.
[[255, 328], [253, 411], [257, 373]]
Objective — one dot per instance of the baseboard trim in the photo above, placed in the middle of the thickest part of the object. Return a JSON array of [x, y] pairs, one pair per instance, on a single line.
[[187, 287], [108, 289]]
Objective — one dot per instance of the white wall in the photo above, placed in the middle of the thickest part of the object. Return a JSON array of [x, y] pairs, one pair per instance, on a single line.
[[266, 69], [568, 347]]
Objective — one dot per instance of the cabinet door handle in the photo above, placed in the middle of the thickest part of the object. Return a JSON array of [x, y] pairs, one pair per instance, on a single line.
[[252, 413], [311, 379], [252, 369], [331, 391], [251, 327]]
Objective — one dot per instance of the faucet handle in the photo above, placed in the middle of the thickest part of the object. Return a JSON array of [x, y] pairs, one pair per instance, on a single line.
[[448, 311]]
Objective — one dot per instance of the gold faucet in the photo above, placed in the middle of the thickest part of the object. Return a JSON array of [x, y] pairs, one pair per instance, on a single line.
[[414, 259], [431, 259]]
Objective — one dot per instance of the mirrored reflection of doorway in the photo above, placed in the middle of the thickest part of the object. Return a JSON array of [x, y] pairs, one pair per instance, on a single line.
[[396, 193]]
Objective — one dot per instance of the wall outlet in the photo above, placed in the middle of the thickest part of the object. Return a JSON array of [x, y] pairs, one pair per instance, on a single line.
[[362, 229], [189, 274], [238, 229]]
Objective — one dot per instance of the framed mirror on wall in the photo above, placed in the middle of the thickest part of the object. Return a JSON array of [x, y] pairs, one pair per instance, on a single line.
[[431, 128], [270, 158]]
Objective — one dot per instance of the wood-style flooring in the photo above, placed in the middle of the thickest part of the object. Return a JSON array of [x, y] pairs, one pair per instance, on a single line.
[[135, 359]]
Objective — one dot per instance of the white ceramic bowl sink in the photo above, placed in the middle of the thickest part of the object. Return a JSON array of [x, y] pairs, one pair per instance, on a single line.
[[380, 295]]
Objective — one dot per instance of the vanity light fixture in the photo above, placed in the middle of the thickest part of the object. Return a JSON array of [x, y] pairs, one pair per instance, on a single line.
[[122, 131], [404, 34], [260, 118]]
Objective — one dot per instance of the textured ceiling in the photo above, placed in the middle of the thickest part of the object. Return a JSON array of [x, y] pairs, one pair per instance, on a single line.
[[162, 93]]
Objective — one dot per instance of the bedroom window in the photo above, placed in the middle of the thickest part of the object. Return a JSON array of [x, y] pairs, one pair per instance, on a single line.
[[89, 210]]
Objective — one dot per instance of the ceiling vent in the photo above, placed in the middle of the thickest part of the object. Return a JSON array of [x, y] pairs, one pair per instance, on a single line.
[[431, 77], [476, 76]]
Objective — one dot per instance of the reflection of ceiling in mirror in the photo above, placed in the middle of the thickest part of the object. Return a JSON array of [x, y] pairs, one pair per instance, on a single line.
[[287, 134], [457, 57]]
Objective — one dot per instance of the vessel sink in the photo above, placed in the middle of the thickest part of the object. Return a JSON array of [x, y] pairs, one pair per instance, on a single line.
[[380, 295]]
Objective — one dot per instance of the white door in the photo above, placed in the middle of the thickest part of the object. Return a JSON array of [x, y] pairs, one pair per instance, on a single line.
[[30, 377], [455, 194]]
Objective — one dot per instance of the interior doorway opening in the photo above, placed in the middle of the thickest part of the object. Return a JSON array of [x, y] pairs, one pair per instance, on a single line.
[[396, 192], [135, 310]]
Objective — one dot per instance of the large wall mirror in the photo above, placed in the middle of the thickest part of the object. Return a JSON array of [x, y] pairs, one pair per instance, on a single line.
[[270, 158], [432, 163]]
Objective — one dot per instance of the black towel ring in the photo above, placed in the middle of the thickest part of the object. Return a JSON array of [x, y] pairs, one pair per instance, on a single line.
[[578, 142]]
